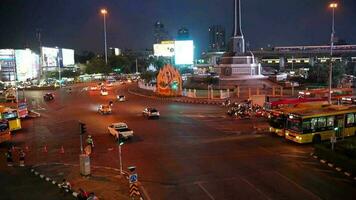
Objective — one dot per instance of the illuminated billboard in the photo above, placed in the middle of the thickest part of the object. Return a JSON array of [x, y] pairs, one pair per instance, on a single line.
[[164, 49], [27, 64], [50, 57], [67, 57], [7, 65], [184, 52]]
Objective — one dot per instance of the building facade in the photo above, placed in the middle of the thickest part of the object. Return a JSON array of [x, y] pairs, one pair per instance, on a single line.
[[217, 39]]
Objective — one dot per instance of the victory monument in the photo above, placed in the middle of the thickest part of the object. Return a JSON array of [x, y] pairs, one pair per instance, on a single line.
[[237, 64]]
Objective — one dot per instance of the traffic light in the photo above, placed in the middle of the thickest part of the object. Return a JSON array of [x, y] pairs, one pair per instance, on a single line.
[[82, 128]]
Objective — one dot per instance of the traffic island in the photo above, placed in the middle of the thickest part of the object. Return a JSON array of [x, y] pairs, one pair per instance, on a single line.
[[105, 182], [342, 158], [152, 95]]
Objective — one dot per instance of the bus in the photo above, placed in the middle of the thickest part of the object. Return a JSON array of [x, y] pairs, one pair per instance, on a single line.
[[12, 117], [336, 93], [289, 102], [277, 118], [316, 125]]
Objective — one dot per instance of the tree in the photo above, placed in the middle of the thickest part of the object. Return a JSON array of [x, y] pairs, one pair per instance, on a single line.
[[319, 73], [121, 64], [97, 65]]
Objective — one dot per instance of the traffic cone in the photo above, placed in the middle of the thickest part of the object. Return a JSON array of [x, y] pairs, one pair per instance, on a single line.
[[62, 150], [45, 150]]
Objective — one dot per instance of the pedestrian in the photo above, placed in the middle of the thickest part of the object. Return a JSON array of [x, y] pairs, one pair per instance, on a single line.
[[82, 195], [22, 158], [90, 141], [9, 159], [65, 186]]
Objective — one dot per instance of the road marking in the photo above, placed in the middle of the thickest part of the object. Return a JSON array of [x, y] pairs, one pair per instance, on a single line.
[[255, 188], [296, 184], [292, 156], [205, 190]]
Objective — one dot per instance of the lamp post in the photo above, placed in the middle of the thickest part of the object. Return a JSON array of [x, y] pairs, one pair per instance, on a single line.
[[333, 6], [120, 156], [104, 12]]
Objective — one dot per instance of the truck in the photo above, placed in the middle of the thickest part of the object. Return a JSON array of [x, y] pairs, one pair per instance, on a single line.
[[120, 129]]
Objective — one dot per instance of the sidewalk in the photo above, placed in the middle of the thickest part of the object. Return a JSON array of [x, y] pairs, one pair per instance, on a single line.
[[17, 183], [105, 182]]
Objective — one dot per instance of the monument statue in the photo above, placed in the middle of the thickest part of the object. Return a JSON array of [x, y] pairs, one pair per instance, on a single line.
[[236, 63]]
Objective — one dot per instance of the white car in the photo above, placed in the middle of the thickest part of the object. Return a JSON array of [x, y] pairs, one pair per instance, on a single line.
[[121, 98], [120, 129], [104, 93], [150, 112], [93, 88], [104, 109]]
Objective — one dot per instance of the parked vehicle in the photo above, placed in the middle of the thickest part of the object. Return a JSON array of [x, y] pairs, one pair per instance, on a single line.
[[104, 92]]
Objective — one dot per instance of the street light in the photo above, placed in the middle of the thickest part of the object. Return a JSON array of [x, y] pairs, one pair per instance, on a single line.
[[333, 6], [104, 12]]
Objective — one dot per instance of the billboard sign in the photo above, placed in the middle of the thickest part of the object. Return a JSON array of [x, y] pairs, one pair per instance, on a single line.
[[50, 57], [184, 52], [165, 50], [27, 64], [67, 57]]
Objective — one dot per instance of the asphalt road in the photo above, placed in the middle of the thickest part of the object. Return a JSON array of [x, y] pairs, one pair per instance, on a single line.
[[191, 152]]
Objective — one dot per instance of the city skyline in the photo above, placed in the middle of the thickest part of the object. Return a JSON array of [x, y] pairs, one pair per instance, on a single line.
[[78, 24]]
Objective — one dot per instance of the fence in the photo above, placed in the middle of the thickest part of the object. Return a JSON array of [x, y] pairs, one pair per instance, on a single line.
[[145, 86]]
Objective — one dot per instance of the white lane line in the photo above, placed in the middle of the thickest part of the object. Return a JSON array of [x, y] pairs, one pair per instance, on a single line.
[[255, 188], [206, 191], [298, 186]]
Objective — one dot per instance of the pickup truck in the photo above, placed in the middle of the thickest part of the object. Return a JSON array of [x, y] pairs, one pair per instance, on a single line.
[[120, 130]]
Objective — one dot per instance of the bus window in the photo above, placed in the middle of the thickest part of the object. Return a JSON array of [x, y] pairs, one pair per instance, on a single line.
[[330, 122], [350, 119], [294, 124], [321, 123], [313, 123], [306, 126]]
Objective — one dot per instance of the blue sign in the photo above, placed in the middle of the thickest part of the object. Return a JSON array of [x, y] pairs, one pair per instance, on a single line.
[[133, 178]]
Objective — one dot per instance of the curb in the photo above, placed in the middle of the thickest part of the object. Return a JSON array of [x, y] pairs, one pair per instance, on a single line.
[[53, 182], [176, 100], [332, 165], [73, 193]]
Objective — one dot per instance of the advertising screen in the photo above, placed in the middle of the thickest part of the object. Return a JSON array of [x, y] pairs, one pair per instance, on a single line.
[[165, 50], [184, 52], [7, 64], [67, 57], [50, 57], [27, 64]]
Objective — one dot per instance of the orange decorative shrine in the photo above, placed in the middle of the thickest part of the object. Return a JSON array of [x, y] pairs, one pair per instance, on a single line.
[[169, 81]]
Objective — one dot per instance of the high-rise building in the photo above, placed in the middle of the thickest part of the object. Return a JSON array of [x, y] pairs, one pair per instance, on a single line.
[[183, 34], [217, 41], [160, 33]]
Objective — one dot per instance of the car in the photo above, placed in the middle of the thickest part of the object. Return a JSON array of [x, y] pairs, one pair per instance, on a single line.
[[104, 92], [121, 98], [104, 109], [93, 88], [120, 129], [109, 84], [150, 112], [48, 96]]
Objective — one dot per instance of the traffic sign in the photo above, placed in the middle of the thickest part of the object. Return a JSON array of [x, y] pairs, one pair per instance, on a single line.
[[134, 191], [133, 178]]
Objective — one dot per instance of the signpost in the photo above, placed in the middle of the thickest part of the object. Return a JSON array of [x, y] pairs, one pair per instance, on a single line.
[[133, 181]]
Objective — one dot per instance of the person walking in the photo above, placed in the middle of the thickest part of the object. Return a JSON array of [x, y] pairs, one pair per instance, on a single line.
[[90, 141], [22, 158], [9, 159]]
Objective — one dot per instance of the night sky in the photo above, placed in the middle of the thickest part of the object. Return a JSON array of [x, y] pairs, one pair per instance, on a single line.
[[77, 24]]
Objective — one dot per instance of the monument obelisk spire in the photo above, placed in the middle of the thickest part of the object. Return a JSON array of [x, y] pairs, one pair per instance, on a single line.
[[238, 41]]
